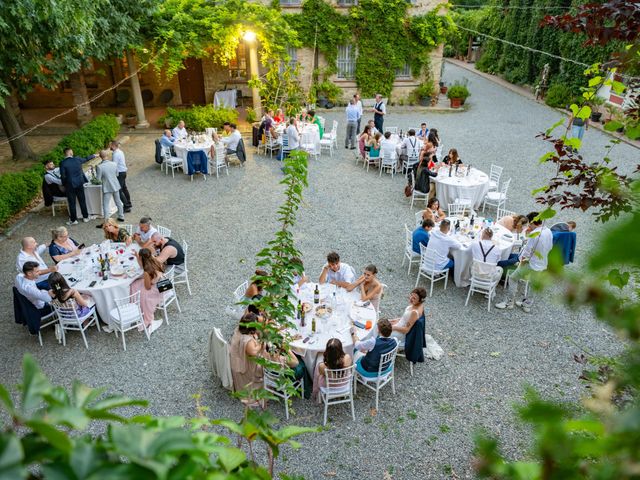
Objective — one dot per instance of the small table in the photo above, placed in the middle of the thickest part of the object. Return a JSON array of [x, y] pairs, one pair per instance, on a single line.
[[183, 147]]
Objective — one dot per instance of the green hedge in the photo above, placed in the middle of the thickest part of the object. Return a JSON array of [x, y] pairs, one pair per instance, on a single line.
[[19, 189], [558, 96], [200, 117]]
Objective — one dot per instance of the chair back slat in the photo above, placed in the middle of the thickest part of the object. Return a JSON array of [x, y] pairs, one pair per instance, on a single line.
[[337, 379]]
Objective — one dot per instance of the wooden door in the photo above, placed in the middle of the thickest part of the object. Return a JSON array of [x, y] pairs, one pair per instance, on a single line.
[[192, 82]]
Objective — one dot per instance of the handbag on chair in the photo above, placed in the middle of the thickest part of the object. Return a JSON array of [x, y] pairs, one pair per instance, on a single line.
[[164, 285]]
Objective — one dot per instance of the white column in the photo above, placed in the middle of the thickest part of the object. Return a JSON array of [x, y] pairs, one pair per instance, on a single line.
[[135, 90]]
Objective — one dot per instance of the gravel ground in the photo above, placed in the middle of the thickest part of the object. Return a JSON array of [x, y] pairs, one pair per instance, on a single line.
[[426, 430]]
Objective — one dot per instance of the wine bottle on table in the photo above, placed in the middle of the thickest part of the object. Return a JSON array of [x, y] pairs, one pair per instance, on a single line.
[[316, 295], [313, 325]]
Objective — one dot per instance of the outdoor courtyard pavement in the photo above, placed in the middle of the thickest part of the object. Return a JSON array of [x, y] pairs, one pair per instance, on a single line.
[[426, 429]]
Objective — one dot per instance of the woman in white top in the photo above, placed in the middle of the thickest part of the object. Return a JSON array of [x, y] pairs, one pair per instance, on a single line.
[[412, 313]]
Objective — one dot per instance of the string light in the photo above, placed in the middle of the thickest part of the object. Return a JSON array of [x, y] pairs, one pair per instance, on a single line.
[[509, 7]]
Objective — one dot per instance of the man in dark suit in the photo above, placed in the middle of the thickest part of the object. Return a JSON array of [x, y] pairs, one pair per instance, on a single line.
[[73, 179]]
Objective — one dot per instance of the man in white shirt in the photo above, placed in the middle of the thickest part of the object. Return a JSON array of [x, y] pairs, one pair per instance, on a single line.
[[144, 232], [411, 147], [379, 111], [179, 131], [388, 146], [52, 175], [533, 258], [336, 272], [356, 97], [31, 252], [26, 285], [232, 139], [121, 164], [441, 243], [293, 136], [350, 140], [485, 251]]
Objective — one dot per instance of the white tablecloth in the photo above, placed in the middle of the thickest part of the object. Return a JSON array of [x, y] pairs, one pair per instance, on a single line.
[[104, 293], [183, 147], [463, 258], [93, 198], [473, 186], [225, 98], [334, 326], [309, 135]]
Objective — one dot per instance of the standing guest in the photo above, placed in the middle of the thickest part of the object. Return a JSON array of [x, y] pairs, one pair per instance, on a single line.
[[364, 141], [334, 358], [421, 234], [372, 126], [107, 173], [119, 160], [352, 125], [533, 258], [26, 285], [356, 97], [278, 117], [62, 247], [167, 139], [51, 183], [73, 180], [412, 313], [442, 243], [115, 233], [370, 287], [313, 118], [31, 252], [336, 272], [434, 138], [179, 132], [379, 111], [423, 132], [373, 348], [67, 297], [452, 158], [144, 232], [578, 126], [171, 252], [293, 136], [150, 296], [244, 347], [232, 138]]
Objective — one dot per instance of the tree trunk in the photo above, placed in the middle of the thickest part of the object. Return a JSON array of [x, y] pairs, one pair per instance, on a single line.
[[80, 98], [12, 102], [19, 147]]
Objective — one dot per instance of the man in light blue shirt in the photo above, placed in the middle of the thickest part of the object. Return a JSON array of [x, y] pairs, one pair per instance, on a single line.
[[353, 113], [167, 140]]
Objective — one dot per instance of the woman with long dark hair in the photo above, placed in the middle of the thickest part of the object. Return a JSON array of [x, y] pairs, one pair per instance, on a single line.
[[412, 313], [67, 297], [363, 141], [245, 345], [150, 296], [334, 358]]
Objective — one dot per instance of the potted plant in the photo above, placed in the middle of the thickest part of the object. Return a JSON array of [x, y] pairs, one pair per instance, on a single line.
[[443, 88], [456, 94], [131, 119], [423, 93], [596, 102]]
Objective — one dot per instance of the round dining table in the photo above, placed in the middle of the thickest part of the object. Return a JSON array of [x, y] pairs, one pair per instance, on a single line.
[[309, 134], [184, 146], [472, 186], [337, 324], [82, 273]]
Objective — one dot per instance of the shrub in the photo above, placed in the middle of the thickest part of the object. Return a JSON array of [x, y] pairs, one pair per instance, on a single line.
[[19, 189], [328, 90], [458, 91], [251, 115], [199, 118], [558, 96]]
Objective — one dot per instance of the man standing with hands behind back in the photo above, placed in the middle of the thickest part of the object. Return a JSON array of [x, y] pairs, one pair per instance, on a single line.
[[379, 111], [121, 164], [106, 172], [73, 180]]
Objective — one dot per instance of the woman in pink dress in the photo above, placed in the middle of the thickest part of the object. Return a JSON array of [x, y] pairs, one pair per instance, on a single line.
[[150, 296]]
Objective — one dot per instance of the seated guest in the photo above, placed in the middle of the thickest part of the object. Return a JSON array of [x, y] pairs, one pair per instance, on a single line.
[[411, 145], [113, 232], [370, 287], [388, 146], [232, 138], [337, 273], [31, 252], [51, 183], [421, 234], [433, 211], [441, 243], [372, 128], [150, 296], [300, 278], [67, 297], [514, 223], [254, 291], [62, 246], [244, 346], [412, 313], [293, 136], [363, 141], [295, 363], [374, 145], [167, 140], [485, 251], [569, 226], [452, 158], [333, 358], [171, 252], [434, 138], [26, 285], [144, 232], [278, 117], [179, 132], [423, 132], [427, 154], [373, 348], [313, 118]]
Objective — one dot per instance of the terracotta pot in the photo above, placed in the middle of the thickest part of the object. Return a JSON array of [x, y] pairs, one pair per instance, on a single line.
[[131, 120], [443, 90], [455, 102]]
